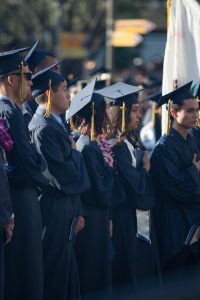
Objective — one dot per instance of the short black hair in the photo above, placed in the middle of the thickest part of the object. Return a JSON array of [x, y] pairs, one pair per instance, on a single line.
[[42, 99]]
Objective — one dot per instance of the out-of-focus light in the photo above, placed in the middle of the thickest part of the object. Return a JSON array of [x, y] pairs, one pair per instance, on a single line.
[[137, 61], [90, 65]]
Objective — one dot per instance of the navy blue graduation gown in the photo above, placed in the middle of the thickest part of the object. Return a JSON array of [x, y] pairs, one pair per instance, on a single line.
[[177, 186], [28, 110], [196, 134], [135, 261], [59, 205], [93, 244], [5, 217], [25, 280]]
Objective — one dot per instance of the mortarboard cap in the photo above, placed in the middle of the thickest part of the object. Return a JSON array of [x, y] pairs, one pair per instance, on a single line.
[[41, 80], [120, 92], [28, 57], [155, 97], [11, 61], [182, 93], [81, 99]]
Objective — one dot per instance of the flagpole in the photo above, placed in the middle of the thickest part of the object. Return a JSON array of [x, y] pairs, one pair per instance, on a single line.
[[164, 107]]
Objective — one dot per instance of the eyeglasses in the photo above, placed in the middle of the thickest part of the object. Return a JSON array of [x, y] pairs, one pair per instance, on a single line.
[[26, 75]]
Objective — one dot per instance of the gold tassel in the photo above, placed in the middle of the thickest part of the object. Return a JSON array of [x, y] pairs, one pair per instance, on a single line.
[[123, 108], [168, 116], [153, 114], [21, 93], [92, 135], [48, 109]]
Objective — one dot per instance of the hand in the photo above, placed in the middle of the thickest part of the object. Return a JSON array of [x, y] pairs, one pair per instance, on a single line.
[[80, 224], [8, 232], [146, 162], [110, 228], [73, 144], [195, 162], [109, 159]]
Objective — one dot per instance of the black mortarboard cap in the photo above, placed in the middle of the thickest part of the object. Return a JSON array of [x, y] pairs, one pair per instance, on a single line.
[[28, 57], [182, 93], [11, 61], [41, 80], [155, 97], [120, 92]]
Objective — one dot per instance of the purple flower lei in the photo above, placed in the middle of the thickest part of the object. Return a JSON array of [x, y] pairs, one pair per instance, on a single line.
[[106, 149], [6, 141]]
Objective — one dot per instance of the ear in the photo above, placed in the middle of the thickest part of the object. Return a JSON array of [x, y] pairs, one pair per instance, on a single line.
[[173, 113], [10, 79]]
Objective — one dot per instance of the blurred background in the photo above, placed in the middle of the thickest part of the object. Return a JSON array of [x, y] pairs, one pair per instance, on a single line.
[[91, 35]]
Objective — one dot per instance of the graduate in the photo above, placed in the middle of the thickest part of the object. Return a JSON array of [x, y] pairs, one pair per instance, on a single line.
[[175, 172], [6, 210], [23, 256], [136, 259], [93, 244], [61, 210]]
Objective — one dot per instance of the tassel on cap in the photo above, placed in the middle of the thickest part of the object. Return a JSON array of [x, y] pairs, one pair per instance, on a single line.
[[153, 114], [48, 109], [170, 102], [21, 94], [92, 134], [123, 108]]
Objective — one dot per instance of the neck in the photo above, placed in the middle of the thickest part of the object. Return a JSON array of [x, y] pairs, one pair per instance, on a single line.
[[181, 130], [4, 91], [44, 106]]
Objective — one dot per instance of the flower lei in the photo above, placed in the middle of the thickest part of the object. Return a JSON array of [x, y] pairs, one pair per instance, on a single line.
[[108, 154], [6, 141]]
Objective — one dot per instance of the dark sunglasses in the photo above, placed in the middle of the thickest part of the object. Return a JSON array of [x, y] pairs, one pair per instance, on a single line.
[[27, 75]]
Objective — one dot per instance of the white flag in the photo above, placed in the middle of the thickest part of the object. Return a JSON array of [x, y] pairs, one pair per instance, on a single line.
[[182, 53]]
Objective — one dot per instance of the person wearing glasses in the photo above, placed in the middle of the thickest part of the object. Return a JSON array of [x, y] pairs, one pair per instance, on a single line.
[[23, 255]]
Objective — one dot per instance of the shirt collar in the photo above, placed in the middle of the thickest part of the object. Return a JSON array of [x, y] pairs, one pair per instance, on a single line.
[[57, 118]]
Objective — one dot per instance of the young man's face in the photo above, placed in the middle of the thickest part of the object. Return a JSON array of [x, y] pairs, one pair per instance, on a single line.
[[188, 114], [16, 83], [61, 98]]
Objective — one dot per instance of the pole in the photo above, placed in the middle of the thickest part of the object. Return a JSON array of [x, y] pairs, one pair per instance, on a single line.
[[164, 109], [58, 25], [109, 30]]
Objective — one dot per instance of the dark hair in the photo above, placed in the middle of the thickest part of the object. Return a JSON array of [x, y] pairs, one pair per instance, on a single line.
[[100, 117], [175, 107], [2, 79], [130, 135], [42, 99]]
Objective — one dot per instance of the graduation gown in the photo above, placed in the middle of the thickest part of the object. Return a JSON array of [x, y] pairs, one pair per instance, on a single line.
[[24, 280], [5, 217], [136, 261], [28, 110], [177, 186], [93, 244], [196, 134], [60, 205]]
